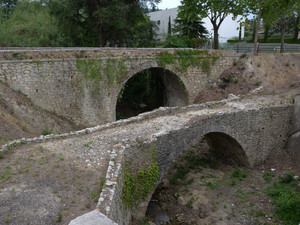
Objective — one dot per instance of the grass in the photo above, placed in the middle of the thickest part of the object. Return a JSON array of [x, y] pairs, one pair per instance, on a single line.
[[268, 177], [239, 174], [286, 198], [46, 131], [59, 217], [191, 162], [210, 185]]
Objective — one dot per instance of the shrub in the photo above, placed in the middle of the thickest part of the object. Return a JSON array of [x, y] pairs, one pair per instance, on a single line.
[[46, 131]]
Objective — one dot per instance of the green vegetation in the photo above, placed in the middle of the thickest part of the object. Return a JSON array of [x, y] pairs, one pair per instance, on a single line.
[[59, 217], [239, 174], [182, 59], [286, 198], [31, 24], [71, 23], [268, 177], [110, 70], [46, 131], [191, 161], [138, 186]]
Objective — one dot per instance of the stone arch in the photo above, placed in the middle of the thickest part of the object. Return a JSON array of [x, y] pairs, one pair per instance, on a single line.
[[227, 146], [175, 88]]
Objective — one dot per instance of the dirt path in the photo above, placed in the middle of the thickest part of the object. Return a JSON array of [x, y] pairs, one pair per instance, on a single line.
[[217, 192]]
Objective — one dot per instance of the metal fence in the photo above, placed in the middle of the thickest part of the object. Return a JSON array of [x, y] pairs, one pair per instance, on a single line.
[[263, 47]]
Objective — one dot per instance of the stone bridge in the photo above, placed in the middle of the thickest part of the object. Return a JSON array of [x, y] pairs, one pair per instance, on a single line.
[[83, 85], [245, 130]]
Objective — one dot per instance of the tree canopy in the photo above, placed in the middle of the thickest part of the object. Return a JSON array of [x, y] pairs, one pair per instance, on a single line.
[[81, 22], [215, 10]]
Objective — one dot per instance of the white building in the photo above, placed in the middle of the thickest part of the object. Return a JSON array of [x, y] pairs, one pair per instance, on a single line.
[[228, 29]]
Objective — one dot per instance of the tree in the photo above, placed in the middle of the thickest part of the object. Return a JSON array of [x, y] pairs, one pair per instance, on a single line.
[[6, 8], [188, 22], [169, 27], [29, 25], [281, 11], [215, 10], [103, 22], [296, 27], [254, 7]]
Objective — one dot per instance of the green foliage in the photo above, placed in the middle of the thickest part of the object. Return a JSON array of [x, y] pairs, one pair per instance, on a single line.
[[75, 23], [174, 41], [110, 70], [30, 25], [46, 131], [188, 23], [268, 177], [138, 186], [182, 59], [239, 174], [288, 40], [59, 217], [287, 178], [210, 185], [233, 41], [191, 161], [286, 199], [215, 10], [103, 23]]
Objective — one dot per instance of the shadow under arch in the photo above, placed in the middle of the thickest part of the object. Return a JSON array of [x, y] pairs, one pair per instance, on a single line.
[[226, 146], [149, 89]]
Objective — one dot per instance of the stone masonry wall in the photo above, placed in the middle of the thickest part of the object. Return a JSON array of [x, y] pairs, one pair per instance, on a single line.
[[258, 129], [52, 80]]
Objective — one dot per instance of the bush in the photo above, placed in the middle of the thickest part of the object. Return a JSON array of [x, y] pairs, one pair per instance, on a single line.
[[30, 25], [287, 40], [46, 131], [287, 202], [177, 42], [233, 41]]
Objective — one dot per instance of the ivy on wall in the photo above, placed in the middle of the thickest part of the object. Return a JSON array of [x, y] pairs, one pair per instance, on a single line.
[[182, 59], [110, 71], [138, 185]]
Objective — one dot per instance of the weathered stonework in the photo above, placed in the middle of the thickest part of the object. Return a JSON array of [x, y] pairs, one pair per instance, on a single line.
[[257, 129], [52, 80]]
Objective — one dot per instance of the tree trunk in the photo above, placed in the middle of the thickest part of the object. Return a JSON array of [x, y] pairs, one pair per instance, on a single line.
[[100, 35], [266, 33], [283, 25], [256, 31], [240, 32], [297, 28], [216, 37]]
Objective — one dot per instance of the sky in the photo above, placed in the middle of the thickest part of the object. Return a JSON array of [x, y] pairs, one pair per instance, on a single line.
[[168, 4]]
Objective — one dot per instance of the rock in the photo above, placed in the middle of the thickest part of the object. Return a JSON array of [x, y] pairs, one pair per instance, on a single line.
[[165, 183], [151, 223], [181, 200]]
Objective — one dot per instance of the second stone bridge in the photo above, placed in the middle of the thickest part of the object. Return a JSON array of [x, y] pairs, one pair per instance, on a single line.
[[245, 131]]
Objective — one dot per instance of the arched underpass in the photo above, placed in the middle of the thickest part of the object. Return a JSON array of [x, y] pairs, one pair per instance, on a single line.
[[226, 146], [150, 89], [201, 152]]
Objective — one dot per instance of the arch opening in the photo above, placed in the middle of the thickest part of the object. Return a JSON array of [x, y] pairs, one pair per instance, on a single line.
[[196, 171], [149, 90], [226, 146]]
